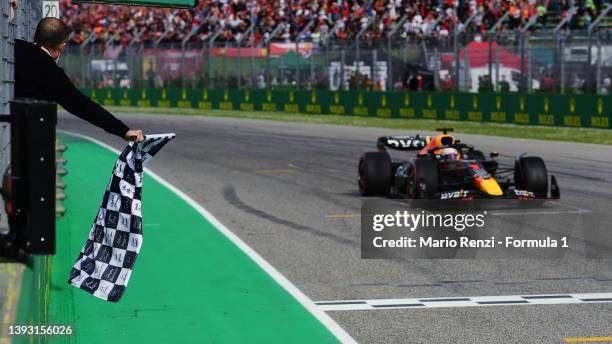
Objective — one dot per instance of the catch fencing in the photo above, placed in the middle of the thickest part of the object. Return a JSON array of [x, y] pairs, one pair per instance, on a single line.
[[526, 62]]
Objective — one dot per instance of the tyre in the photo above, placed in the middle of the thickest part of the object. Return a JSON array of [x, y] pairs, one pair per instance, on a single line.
[[375, 174], [426, 177], [530, 174]]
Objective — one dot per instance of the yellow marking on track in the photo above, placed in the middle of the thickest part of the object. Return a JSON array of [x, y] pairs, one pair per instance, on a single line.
[[14, 272], [276, 170], [342, 216], [588, 339]]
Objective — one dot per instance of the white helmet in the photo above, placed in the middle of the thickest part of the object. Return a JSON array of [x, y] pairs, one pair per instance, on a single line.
[[449, 153]]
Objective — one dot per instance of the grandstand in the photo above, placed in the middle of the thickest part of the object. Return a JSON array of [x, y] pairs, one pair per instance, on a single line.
[[345, 45], [312, 20]]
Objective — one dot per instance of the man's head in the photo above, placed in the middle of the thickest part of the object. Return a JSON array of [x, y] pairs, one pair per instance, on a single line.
[[52, 34]]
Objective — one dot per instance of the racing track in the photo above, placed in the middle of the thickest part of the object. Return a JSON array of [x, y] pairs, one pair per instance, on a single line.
[[289, 191]]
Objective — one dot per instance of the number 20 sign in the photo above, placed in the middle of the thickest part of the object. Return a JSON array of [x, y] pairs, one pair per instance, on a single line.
[[50, 9]]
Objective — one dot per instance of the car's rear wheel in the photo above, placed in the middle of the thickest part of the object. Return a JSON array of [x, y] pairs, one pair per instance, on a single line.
[[375, 174], [530, 174], [426, 178]]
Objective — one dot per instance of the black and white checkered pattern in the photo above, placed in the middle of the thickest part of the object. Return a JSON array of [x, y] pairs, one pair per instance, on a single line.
[[105, 263]]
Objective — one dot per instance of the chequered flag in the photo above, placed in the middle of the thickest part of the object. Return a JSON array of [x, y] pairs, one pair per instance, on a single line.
[[105, 263]]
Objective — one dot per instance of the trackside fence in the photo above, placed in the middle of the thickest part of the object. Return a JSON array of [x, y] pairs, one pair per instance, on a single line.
[[19, 23], [587, 111]]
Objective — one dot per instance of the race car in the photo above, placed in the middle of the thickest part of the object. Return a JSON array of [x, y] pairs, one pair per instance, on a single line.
[[445, 168]]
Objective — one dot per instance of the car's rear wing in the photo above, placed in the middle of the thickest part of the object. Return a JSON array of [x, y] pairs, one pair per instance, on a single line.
[[401, 142]]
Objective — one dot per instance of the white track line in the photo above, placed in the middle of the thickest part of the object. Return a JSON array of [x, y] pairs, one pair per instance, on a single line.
[[318, 313], [468, 301]]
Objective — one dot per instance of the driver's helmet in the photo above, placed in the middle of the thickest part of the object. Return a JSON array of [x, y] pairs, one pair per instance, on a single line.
[[448, 153]]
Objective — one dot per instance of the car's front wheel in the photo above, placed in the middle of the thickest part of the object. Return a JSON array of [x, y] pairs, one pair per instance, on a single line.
[[426, 176], [375, 174], [530, 174]]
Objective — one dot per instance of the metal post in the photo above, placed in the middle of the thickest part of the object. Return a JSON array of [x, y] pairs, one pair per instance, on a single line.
[[312, 76], [239, 60], [297, 48], [493, 31], [599, 74], [268, 57], [490, 60], [224, 65], [373, 71], [560, 45], [497, 62], [456, 53], [297, 65], [342, 63], [268, 45], [183, 64], [156, 44], [183, 69], [133, 59], [211, 82], [357, 39], [325, 41], [139, 57], [211, 43], [389, 65], [84, 64], [529, 71], [327, 59], [590, 29], [436, 68], [562, 62], [467, 81], [590, 59], [522, 52], [457, 31], [389, 53], [239, 63], [253, 82]]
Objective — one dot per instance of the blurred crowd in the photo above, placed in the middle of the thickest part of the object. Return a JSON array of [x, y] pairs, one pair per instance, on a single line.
[[314, 19]]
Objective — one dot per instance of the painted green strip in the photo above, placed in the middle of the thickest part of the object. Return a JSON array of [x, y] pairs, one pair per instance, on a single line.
[[190, 283]]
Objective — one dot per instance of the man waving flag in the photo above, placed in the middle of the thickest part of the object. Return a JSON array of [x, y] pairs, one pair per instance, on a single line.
[[105, 262]]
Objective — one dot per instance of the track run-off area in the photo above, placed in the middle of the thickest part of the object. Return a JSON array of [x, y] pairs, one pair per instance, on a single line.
[[197, 279], [280, 260]]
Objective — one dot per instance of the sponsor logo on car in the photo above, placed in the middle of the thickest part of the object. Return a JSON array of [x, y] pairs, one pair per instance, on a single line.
[[524, 193], [455, 194], [404, 143]]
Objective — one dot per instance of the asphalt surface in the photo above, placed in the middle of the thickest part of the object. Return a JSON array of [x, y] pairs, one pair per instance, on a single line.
[[289, 191]]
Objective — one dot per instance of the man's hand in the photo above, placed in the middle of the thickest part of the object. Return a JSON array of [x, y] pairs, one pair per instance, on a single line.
[[134, 135]]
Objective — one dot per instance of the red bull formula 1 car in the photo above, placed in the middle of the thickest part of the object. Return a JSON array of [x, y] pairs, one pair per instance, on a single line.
[[445, 168]]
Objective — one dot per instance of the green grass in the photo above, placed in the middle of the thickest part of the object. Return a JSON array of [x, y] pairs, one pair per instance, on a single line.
[[582, 135]]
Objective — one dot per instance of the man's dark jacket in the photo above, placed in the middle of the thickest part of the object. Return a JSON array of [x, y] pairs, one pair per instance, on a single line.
[[38, 76]]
